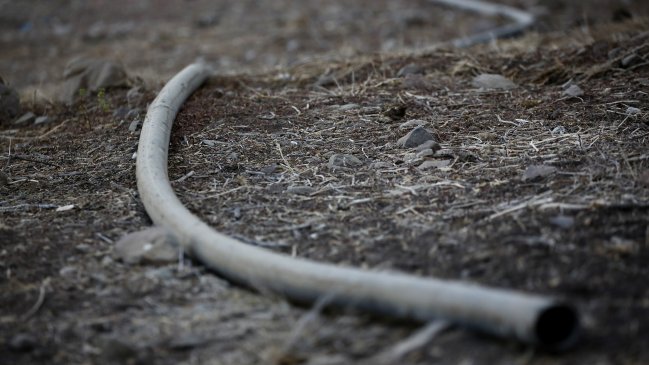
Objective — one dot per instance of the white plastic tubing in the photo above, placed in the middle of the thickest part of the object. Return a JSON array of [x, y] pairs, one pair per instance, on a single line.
[[532, 319], [521, 20]]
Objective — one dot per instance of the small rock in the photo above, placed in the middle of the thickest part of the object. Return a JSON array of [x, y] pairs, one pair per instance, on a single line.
[[134, 96], [573, 91], [22, 342], [43, 120], [25, 119], [434, 164], [410, 69], [535, 172], [152, 245], [630, 60], [300, 190], [325, 80], [135, 125], [415, 138], [342, 160], [425, 153], [632, 111], [346, 107], [614, 53], [558, 130], [429, 145], [207, 142], [412, 123], [120, 112], [133, 113], [269, 169], [563, 221], [493, 81], [9, 103], [381, 165]]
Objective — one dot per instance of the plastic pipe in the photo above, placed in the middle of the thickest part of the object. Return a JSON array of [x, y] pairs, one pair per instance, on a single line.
[[528, 318], [522, 20]]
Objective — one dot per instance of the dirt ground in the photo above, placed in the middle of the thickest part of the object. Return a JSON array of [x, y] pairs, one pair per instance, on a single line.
[[531, 190]]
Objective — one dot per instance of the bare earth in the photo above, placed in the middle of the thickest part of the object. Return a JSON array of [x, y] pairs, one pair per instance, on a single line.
[[299, 82]]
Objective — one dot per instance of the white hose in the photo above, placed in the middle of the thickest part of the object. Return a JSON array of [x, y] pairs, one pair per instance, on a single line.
[[521, 20], [532, 319]]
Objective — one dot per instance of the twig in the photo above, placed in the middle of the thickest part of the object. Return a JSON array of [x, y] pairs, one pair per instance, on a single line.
[[417, 340], [39, 301]]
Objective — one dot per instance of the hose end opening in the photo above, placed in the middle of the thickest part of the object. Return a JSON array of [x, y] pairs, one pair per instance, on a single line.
[[557, 327]]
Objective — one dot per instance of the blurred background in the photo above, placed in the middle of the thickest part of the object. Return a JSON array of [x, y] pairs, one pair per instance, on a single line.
[[155, 38]]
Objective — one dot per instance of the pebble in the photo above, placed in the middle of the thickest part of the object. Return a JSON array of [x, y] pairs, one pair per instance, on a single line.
[[43, 120], [134, 96], [415, 138], [343, 160], [563, 221], [630, 60], [412, 123], [493, 81], [346, 107], [573, 91], [410, 69], [135, 125], [633, 111], [434, 164], [425, 153], [153, 245], [428, 145], [22, 342], [9, 103], [381, 165], [300, 190], [559, 130], [133, 113], [535, 172], [25, 119]]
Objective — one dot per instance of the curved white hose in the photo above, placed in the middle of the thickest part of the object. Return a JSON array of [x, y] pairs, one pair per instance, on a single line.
[[532, 319], [522, 20]]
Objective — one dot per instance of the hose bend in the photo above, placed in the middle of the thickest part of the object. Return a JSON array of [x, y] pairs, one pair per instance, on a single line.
[[528, 318]]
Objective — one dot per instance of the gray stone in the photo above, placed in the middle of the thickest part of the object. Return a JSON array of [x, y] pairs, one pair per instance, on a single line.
[[633, 111], [425, 153], [9, 103], [134, 96], [415, 138], [630, 60], [412, 123], [91, 75], [493, 81], [22, 342], [537, 172], [430, 164], [152, 245], [43, 120], [133, 113], [410, 69], [135, 125], [562, 221], [25, 119], [346, 107], [342, 160], [573, 91], [429, 145], [558, 130], [300, 190]]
